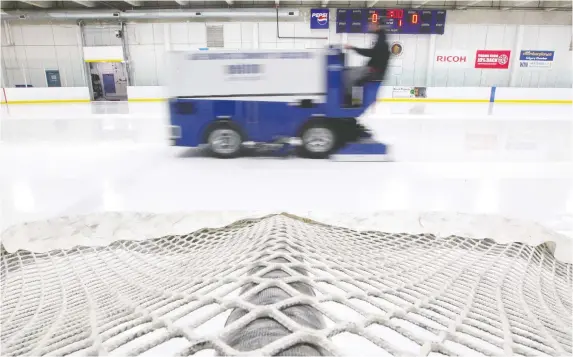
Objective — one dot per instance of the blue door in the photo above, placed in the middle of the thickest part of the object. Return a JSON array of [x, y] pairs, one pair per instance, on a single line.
[[108, 83]]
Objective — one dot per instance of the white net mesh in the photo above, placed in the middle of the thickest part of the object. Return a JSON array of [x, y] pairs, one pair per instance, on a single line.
[[284, 286]]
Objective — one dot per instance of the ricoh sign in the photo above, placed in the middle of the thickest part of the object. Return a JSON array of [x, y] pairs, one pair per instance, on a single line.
[[452, 59]]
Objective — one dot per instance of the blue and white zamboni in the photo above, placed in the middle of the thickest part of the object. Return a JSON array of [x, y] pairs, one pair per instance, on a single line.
[[268, 98]]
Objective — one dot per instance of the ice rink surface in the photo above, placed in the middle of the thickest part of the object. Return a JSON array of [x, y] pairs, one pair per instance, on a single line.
[[504, 159]]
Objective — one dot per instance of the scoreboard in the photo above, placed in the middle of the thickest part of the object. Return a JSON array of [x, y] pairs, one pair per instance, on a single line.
[[396, 21]]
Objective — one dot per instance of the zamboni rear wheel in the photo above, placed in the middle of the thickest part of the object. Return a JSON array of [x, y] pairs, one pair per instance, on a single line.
[[224, 141], [318, 141]]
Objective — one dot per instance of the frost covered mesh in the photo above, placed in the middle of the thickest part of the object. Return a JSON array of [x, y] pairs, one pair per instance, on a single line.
[[285, 286]]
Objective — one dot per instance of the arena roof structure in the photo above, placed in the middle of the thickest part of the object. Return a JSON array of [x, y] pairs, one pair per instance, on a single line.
[[563, 5]]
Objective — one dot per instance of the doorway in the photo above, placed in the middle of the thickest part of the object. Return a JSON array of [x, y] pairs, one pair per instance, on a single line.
[[109, 81]]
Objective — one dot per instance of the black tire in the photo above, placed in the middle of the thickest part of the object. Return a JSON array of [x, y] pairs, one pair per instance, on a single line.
[[230, 135], [319, 140]]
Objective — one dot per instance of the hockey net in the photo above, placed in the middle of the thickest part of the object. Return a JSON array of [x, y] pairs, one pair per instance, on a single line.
[[281, 285]]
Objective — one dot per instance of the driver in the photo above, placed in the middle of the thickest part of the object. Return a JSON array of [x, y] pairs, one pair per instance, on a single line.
[[376, 66]]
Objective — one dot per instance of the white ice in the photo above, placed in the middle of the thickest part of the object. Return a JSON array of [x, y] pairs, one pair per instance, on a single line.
[[508, 160]]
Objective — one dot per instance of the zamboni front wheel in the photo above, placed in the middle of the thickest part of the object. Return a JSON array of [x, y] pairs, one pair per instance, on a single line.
[[224, 141], [318, 141]]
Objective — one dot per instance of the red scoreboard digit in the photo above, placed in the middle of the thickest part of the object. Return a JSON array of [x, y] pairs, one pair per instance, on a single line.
[[395, 14]]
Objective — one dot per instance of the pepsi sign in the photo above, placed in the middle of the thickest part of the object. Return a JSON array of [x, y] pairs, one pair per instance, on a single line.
[[319, 19]]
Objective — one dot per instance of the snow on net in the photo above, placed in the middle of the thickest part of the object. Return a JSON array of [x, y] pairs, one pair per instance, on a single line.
[[285, 286]]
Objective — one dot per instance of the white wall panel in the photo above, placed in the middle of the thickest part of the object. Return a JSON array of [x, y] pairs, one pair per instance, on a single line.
[[235, 45], [4, 37], [232, 34], [140, 34], [16, 76], [333, 37], [143, 65], [41, 57], [286, 29], [268, 45], [158, 33], [179, 33], [197, 33], [66, 34], [302, 29], [38, 35], [21, 59], [37, 77], [71, 66], [182, 47], [247, 31], [17, 36], [267, 32], [9, 57], [285, 45], [160, 64]]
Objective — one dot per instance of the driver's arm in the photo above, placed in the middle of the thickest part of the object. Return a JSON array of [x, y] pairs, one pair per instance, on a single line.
[[366, 52]]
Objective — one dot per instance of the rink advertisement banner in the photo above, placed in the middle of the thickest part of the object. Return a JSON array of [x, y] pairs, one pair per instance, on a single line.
[[452, 58], [409, 92], [490, 59], [319, 19], [536, 59]]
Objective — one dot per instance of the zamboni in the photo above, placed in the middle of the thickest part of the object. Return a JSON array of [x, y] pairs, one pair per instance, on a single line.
[[272, 99]]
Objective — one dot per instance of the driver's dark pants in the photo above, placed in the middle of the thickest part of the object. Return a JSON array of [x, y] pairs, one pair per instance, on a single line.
[[356, 77]]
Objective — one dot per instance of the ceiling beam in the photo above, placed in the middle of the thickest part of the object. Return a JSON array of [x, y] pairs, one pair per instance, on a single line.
[[521, 3], [372, 3], [133, 2], [463, 7], [422, 4], [565, 4], [517, 4], [85, 3], [42, 4]]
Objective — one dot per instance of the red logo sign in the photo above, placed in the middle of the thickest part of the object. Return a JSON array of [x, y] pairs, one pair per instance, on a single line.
[[452, 59], [492, 59]]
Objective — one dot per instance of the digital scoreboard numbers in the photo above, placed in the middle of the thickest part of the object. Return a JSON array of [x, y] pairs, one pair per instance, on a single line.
[[397, 21]]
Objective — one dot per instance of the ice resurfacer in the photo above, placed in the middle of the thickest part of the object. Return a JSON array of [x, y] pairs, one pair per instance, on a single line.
[[273, 99]]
